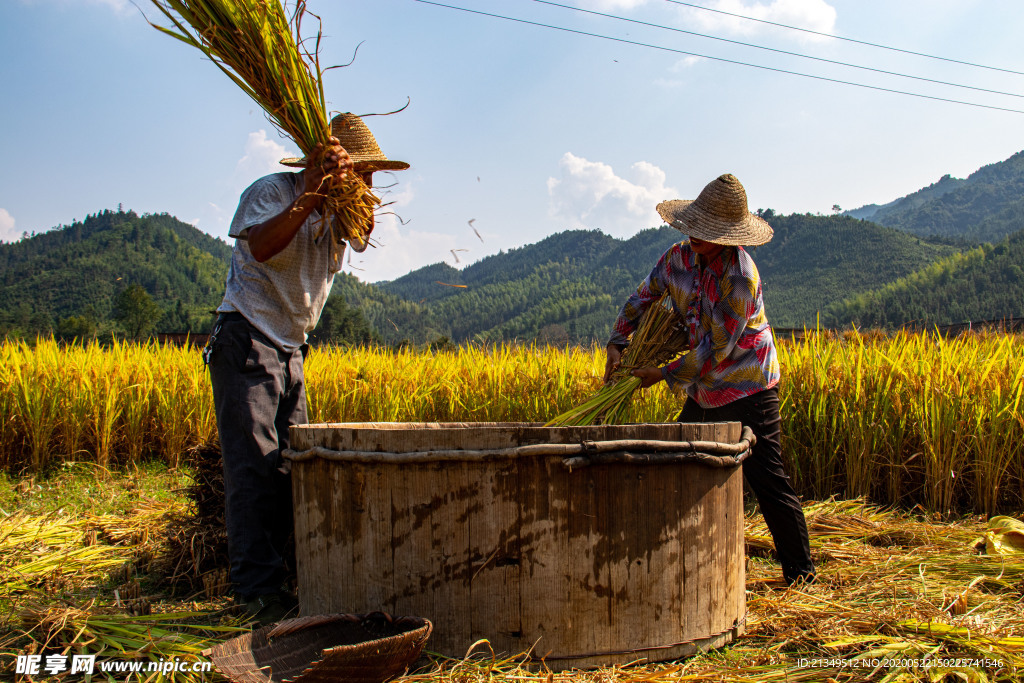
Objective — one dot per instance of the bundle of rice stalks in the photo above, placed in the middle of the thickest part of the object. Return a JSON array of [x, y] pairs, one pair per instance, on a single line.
[[91, 629], [141, 526], [49, 553], [262, 50], [659, 338], [197, 544]]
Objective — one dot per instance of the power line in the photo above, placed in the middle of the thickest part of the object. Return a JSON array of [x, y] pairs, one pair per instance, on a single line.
[[849, 40], [771, 49], [718, 59]]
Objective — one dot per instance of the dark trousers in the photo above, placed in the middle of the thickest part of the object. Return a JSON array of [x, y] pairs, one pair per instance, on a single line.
[[766, 475], [258, 392]]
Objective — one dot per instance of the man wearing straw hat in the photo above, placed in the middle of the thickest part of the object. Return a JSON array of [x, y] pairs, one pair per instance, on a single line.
[[282, 268], [731, 371]]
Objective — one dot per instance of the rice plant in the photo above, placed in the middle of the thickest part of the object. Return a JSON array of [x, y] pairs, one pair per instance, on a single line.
[[265, 53], [659, 337]]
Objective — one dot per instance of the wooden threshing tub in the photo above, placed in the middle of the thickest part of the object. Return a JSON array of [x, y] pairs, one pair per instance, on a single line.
[[586, 546]]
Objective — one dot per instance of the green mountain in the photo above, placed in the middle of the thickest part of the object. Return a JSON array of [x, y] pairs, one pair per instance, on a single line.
[[878, 213], [986, 206], [565, 288], [986, 283], [569, 287], [77, 280], [69, 279], [815, 261]]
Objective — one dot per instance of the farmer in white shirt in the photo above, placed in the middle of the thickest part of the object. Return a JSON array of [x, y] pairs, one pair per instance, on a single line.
[[282, 268]]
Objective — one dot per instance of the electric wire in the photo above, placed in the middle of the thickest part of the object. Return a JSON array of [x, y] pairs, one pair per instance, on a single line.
[[850, 40], [719, 59], [778, 51]]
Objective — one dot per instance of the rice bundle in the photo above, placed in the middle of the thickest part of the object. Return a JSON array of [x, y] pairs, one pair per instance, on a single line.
[[196, 538], [659, 337], [263, 52]]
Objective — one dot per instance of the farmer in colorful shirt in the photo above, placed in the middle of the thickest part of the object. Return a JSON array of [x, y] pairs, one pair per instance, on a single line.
[[731, 371], [282, 268]]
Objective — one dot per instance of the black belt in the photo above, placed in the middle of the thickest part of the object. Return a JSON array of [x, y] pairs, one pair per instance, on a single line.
[[232, 316]]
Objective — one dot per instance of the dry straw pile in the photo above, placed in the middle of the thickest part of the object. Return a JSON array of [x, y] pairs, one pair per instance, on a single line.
[[901, 597], [84, 584]]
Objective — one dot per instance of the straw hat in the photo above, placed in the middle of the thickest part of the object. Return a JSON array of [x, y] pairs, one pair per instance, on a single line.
[[360, 144], [718, 215]]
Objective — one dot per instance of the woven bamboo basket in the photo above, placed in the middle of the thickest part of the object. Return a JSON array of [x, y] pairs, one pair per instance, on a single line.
[[356, 648]]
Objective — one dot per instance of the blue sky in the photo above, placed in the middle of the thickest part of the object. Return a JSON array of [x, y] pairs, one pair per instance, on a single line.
[[526, 131]]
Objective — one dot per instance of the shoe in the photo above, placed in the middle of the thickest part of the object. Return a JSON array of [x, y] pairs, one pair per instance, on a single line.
[[271, 607]]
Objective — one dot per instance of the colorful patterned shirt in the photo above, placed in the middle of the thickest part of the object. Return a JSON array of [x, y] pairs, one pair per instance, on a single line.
[[732, 352]]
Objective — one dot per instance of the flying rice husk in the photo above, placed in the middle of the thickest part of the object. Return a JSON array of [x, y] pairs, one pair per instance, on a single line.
[[263, 52], [659, 338]]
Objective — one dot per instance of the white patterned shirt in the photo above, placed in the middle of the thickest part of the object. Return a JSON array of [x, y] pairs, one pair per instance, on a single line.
[[283, 296]]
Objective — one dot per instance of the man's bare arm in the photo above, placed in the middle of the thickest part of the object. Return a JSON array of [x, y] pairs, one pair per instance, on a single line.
[[274, 234]]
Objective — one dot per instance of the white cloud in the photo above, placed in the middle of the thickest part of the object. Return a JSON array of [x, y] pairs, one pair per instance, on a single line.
[[680, 67], [815, 15], [7, 232], [591, 195], [608, 5], [685, 63], [262, 156], [214, 220], [401, 248]]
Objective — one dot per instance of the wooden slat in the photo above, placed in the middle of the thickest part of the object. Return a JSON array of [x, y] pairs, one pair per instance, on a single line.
[[348, 567], [316, 533], [456, 493], [495, 549], [545, 548], [411, 544], [585, 564], [371, 558]]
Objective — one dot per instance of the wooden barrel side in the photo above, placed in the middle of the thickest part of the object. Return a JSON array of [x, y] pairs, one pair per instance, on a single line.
[[596, 566]]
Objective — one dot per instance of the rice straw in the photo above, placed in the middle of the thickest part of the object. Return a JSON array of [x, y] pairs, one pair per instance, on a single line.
[[658, 338], [263, 52]]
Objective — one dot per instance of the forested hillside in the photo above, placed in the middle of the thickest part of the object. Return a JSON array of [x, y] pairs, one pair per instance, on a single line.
[[986, 283], [68, 280], [568, 287], [565, 288], [815, 261], [986, 206], [79, 280]]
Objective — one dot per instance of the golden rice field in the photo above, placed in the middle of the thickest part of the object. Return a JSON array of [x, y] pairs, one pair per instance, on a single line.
[[915, 419]]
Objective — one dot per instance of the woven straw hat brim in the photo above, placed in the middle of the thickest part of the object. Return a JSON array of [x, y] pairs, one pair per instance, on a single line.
[[719, 214], [682, 215], [358, 141], [360, 164]]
